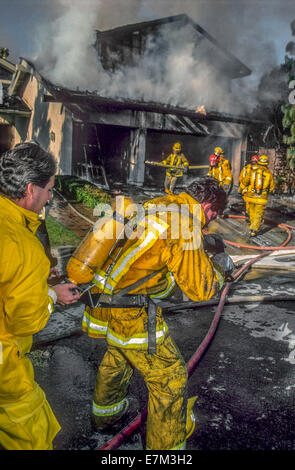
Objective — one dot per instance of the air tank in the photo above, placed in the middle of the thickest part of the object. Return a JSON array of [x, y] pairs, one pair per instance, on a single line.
[[93, 251]]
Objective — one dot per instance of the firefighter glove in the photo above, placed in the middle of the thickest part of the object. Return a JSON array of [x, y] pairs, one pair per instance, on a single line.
[[224, 264]]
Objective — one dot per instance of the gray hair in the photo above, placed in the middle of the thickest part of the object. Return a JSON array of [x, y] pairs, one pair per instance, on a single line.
[[207, 189], [26, 163]]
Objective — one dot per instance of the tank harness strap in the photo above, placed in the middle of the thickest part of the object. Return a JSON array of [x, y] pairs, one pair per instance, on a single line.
[[152, 337], [124, 300], [119, 218]]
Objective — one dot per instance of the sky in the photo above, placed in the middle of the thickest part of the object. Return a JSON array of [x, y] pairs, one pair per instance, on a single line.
[[58, 32]]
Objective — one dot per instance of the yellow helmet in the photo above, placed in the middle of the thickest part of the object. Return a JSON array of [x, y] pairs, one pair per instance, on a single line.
[[218, 151], [177, 147], [263, 160]]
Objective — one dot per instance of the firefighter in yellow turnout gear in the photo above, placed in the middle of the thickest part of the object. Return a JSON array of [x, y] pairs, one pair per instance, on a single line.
[[258, 184], [220, 169], [246, 171], [26, 419], [177, 159], [170, 261]]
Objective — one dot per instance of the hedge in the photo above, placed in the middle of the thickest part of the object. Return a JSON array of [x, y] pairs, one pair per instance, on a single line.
[[81, 190]]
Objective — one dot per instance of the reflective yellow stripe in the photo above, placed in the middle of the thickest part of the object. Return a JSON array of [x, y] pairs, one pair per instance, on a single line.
[[169, 288], [108, 410], [93, 325], [154, 230], [220, 278], [52, 295], [100, 328], [135, 340], [181, 446], [99, 279]]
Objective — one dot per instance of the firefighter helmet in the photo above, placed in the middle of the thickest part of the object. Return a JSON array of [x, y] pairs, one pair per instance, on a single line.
[[177, 147], [263, 160], [254, 158], [213, 160], [218, 151]]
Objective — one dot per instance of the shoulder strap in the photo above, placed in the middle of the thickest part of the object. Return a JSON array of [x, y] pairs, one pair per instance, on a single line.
[[139, 282]]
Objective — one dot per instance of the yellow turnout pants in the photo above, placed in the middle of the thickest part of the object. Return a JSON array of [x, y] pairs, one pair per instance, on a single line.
[[28, 424], [246, 207], [170, 182], [165, 375], [255, 212]]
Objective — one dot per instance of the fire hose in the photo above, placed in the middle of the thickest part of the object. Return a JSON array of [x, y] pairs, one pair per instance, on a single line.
[[117, 440]]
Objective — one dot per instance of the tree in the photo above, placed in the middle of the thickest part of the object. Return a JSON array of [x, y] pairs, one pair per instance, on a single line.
[[289, 109]]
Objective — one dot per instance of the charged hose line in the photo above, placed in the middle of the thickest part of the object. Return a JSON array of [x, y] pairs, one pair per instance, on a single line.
[[117, 440], [286, 227]]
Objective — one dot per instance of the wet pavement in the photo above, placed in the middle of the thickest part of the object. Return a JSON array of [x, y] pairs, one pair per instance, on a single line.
[[245, 381]]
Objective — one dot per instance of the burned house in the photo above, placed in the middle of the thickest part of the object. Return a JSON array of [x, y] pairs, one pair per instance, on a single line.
[[13, 111], [110, 135]]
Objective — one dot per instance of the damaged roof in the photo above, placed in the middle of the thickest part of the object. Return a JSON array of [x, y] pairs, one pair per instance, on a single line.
[[85, 102], [91, 107], [10, 104], [119, 34], [14, 104]]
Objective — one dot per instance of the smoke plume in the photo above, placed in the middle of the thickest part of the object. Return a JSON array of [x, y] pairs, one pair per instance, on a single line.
[[65, 52], [64, 47]]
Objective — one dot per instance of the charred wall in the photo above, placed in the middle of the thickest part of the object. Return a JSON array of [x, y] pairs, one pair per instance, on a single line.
[[102, 145]]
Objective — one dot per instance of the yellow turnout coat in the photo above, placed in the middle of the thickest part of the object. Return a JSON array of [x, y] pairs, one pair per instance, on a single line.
[[222, 172], [160, 248], [179, 161], [163, 246], [26, 419], [257, 184]]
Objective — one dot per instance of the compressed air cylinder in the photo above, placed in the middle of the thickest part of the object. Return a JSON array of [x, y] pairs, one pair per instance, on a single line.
[[93, 251]]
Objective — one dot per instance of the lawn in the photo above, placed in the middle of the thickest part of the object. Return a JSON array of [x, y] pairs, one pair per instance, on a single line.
[[59, 234]]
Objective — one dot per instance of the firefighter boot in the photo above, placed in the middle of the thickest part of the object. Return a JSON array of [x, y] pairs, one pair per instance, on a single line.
[[117, 421], [190, 417]]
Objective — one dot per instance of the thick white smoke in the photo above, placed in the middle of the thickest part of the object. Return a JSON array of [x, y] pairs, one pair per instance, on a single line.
[[66, 56], [64, 47], [178, 77]]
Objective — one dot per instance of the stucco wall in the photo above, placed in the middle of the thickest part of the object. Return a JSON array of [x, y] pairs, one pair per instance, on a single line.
[[49, 124]]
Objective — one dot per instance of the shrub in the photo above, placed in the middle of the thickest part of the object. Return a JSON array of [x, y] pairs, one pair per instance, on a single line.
[[81, 190]]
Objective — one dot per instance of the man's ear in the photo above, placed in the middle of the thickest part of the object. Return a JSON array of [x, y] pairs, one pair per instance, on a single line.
[[29, 193]]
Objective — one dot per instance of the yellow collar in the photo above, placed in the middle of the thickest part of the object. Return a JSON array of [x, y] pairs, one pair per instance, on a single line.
[[182, 198], [18, 214]]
